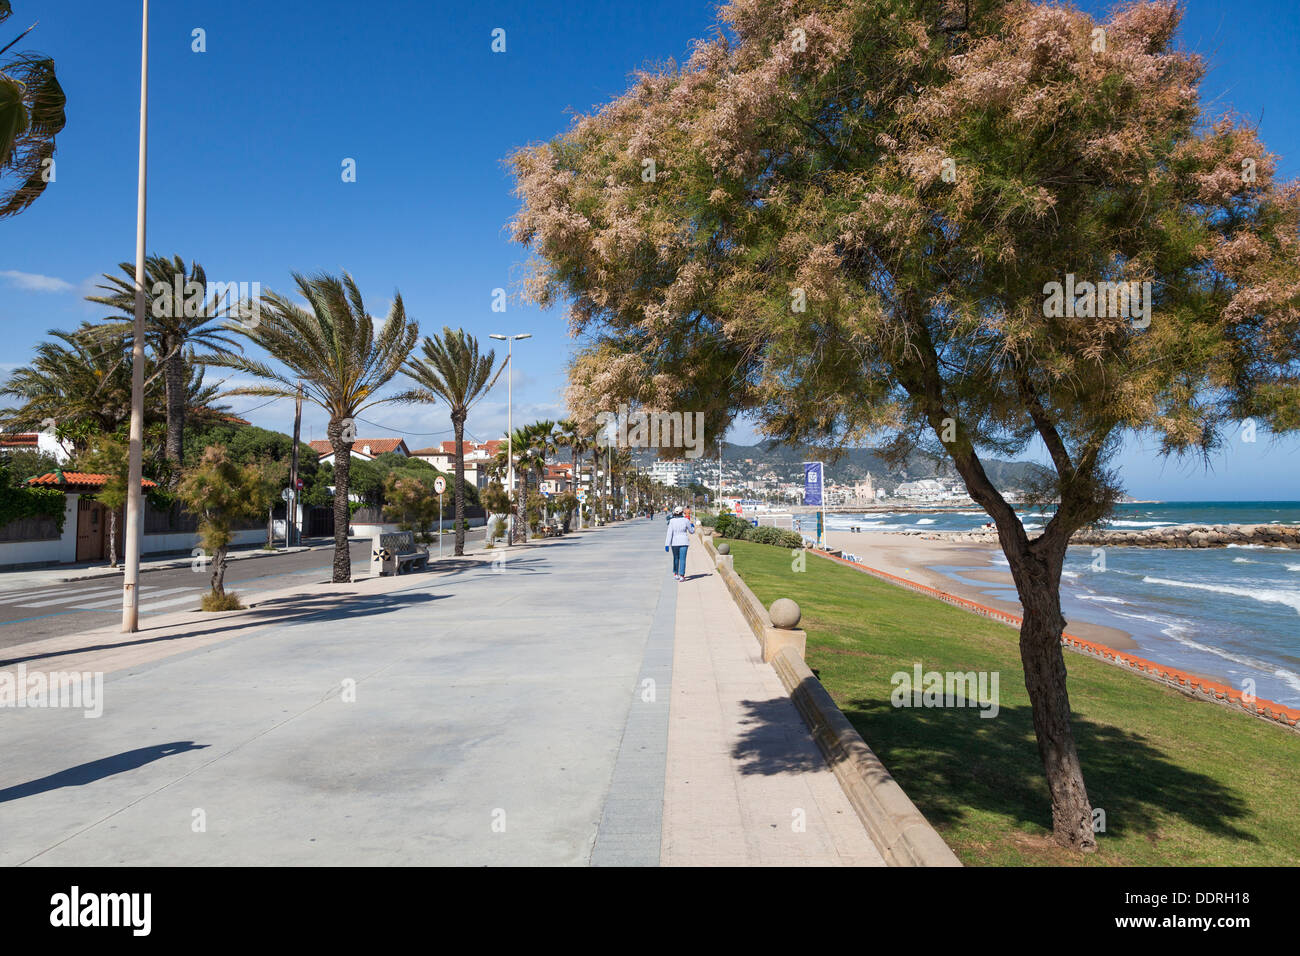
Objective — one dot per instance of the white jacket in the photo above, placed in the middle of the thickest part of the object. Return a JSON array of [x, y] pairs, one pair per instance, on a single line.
[[680, 530]]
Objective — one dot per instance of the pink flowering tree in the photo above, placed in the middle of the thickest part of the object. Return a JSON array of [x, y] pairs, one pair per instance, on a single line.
[[858, 217]]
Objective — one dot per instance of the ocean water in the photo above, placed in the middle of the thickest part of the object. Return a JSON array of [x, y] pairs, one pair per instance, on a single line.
[[1232, 613]]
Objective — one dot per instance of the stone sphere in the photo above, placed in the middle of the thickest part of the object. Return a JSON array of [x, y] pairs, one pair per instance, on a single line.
[[785, 613], [724, 548]]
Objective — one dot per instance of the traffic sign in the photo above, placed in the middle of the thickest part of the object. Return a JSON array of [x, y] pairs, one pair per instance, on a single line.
[[440, 484], [285, 494]]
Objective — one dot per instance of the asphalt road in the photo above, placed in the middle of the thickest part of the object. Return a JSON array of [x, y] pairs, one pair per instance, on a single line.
[[32, 613]]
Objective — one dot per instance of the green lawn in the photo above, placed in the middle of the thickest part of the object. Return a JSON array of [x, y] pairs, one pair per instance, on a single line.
[[1182, 782]]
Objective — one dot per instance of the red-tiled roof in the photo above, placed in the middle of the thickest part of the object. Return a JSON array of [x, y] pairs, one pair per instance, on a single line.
[[86, 479], [431, 450], [494, 445], [378, 446], [20, 440]]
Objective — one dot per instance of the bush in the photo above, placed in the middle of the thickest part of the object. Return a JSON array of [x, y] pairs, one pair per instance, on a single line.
[[226, 601], [707, 521]]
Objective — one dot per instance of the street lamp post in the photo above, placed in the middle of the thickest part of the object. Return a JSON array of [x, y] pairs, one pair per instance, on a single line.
[[510, 426], [135, 467]]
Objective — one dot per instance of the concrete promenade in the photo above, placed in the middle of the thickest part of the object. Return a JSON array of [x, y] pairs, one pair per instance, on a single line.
[[571, 705]]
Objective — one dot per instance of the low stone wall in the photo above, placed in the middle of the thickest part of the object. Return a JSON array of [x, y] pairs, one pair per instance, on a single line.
[[901, 833], [771, 639], [1173, 536]]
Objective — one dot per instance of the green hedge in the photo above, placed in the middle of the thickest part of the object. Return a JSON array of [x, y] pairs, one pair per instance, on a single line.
[[19, 503], [729, 526]]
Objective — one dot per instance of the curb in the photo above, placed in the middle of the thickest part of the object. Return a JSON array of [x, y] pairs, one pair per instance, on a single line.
[[184, 562]]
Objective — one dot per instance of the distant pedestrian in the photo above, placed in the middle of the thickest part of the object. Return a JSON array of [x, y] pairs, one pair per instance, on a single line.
[[680, 529]]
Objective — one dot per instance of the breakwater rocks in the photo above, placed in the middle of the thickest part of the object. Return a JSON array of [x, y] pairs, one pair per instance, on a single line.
[[1170, 536]]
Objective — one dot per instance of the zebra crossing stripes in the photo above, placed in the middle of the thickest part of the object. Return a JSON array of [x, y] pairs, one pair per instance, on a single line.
[[68, 598]]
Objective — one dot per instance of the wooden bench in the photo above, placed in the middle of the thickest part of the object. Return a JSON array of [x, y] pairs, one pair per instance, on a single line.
[[395, 552]]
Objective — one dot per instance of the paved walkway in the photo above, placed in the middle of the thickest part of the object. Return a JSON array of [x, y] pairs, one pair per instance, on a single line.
[[571, 706], [746, 784]]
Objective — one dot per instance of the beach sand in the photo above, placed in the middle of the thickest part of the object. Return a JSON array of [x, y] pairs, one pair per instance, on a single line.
[[916, 558]]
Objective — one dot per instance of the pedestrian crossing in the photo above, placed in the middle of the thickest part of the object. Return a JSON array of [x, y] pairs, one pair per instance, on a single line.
[[75, 596]]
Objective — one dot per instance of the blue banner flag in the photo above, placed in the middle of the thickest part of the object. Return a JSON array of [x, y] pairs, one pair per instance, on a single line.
[[812, 482]]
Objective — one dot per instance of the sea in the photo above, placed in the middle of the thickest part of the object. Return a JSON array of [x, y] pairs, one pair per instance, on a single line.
[[1231, 614]]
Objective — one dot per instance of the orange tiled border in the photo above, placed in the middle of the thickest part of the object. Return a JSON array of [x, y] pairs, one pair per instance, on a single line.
[[1210, 690]]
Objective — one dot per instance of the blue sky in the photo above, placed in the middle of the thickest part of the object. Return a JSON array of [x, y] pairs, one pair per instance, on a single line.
[[248, 138]]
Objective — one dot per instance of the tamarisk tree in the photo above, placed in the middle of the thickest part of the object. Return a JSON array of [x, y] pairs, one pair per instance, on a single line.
[[861, 217]]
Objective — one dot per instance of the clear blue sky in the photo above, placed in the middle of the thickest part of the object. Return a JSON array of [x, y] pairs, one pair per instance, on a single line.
[[246, 142]]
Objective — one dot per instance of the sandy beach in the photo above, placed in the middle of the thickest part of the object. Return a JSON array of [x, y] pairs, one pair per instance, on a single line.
[[917, 558]]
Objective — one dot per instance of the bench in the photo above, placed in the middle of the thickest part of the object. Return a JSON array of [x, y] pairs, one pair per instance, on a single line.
[[395, 552]]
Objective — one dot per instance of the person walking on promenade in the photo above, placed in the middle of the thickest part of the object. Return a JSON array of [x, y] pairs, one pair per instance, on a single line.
[[680, 529]]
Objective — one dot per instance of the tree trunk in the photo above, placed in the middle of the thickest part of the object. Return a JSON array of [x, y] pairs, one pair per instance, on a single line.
[[458, 432], [342, 513], [174, 380], [219, 572], [270, 526], [521, 506], [112, 537]]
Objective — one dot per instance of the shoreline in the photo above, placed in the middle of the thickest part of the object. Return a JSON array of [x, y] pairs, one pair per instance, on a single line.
[[919, 559]]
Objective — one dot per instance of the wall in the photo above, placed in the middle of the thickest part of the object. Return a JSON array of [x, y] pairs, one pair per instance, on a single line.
[[62, 550]]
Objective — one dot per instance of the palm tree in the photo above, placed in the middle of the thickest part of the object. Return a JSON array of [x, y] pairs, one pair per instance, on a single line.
[[575, 436], [82, 383], [341, 363], [452, 369], [173, 328], [31, 115], [541, 446]]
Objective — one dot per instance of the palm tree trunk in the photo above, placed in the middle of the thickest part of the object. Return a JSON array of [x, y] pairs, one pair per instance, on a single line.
[[342, 512], [112, 537], [458, 431], [174, 379]]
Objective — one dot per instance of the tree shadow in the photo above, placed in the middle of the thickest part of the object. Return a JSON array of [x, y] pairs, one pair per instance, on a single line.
[[950, 759], [87, 773], [775, 740]]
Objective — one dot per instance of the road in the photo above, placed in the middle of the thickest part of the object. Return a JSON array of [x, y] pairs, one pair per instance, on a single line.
[[33, 613]]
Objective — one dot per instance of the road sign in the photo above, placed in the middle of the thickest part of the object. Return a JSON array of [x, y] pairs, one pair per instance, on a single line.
[[285, 494], [300, 484], [440, 484], [754, 522]]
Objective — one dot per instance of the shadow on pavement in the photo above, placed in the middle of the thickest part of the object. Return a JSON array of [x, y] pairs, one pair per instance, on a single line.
[[768, 746], [86, 773]]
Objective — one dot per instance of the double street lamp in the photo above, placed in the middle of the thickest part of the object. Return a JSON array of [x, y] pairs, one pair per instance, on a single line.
[[510, 427]]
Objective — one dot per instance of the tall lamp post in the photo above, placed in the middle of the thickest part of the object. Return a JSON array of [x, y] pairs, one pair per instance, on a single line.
[[135, 468], [510, 425]]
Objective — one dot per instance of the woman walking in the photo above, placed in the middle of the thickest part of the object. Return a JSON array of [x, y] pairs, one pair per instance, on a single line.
[[680, 529]]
